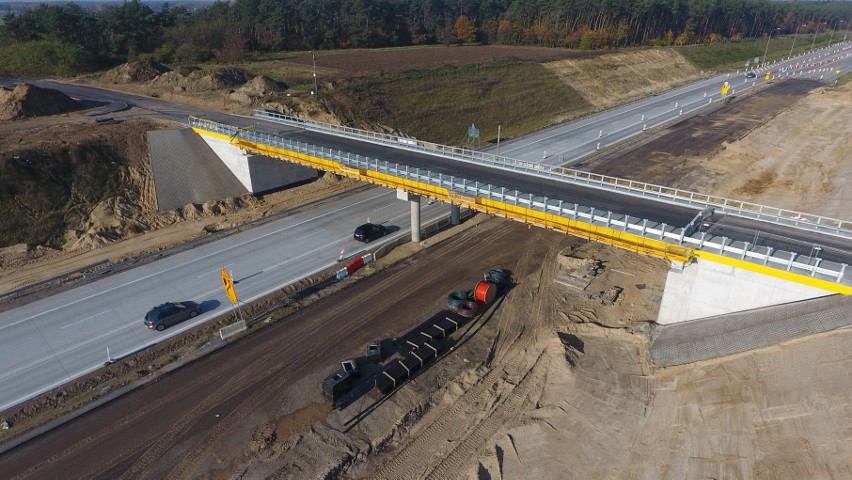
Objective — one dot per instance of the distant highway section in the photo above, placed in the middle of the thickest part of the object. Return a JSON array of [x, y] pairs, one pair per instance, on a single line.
[[568, 142]]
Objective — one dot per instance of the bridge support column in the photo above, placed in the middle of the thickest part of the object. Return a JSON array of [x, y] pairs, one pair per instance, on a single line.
[[415, 212], [455, 214], [415, 217]]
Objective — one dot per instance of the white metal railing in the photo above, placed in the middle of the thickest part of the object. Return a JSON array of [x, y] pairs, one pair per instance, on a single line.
[[806, 264], [779, 216]]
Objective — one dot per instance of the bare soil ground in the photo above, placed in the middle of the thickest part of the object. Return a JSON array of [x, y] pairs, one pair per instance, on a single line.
[[550, 380], [608, 80], [787, 146]]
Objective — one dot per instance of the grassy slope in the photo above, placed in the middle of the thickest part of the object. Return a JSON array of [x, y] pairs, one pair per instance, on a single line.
[[440, 104], [733, 56]]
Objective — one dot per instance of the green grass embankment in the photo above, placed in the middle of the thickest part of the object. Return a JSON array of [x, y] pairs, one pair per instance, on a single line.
[[733, 56], [440, 104]]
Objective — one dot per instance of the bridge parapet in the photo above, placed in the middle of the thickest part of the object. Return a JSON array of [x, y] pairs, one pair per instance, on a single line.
[[740, 208], [678, 244]]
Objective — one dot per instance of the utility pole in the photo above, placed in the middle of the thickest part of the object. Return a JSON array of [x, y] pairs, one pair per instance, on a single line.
[[794, 41], [766, 50], [498, 139], [832, 31], [813, 42], [314, 62]]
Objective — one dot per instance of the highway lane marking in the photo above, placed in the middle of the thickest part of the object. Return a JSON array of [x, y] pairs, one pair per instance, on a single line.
[[87, 318], [217, 271], [65, 350], [573, 130], [315, 232], [90, 340], [205, 296], [197, 259], [78, 374]]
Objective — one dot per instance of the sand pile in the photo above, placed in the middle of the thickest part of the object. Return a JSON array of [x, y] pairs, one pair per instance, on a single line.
[[136, 72], [203, 80], [27, 100]]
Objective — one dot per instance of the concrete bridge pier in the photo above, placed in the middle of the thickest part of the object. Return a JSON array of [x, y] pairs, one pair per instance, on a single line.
[[455, 214], [415, 217], [414, 200]]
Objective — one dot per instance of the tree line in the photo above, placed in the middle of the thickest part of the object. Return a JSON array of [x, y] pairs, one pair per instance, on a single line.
[[68, 39]]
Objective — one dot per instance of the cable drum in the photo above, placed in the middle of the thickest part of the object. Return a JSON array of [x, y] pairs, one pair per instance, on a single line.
[[497, 277], [456, 298], [485, 292], [469, 309]]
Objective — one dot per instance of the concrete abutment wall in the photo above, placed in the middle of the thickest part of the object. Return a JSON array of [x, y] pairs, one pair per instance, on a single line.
[[705, 288]]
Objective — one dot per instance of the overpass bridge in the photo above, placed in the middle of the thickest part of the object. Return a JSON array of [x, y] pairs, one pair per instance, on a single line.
[[758, 255]]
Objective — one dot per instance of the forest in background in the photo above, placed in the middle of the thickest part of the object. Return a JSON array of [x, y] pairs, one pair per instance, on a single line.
[[64, 40]]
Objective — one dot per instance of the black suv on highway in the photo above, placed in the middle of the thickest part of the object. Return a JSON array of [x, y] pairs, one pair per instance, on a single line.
[[169, 314], [369, 231]]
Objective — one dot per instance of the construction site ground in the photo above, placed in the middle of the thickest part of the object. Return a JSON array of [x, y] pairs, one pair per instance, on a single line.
[[551, 382]]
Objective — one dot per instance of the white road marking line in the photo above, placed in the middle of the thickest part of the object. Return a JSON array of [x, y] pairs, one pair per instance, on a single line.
[[87, 318]]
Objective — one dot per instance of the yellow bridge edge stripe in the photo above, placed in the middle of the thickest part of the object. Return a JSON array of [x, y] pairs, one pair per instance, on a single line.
[[617, 238], [774, 272]]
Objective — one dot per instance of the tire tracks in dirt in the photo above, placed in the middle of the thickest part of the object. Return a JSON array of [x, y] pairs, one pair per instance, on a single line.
[[502, 391], [112, 428]]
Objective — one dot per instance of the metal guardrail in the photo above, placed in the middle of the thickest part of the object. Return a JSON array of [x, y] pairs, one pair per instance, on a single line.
[[808, 265], [779, 216]]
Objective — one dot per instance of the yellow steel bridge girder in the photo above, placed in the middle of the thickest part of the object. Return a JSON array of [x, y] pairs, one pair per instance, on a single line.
[[601, 234], [610, 236]]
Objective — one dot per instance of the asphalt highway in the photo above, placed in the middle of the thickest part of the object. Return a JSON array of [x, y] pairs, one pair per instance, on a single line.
[[48, 342]]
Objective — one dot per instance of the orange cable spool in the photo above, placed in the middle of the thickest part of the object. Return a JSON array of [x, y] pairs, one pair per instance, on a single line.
[[485, 292]]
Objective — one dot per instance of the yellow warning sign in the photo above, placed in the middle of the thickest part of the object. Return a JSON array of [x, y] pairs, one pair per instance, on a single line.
[[229, 286], [725, 88], [768, 75]]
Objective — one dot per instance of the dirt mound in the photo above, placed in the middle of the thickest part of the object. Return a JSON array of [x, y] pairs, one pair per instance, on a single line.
[[27, 100], [170, 79], [260, 86], [136, 72], [185, 70], [255, 88], [201, 80]]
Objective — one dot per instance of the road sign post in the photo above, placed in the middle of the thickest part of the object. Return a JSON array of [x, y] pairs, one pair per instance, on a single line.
[[228, 283], [229, 286]]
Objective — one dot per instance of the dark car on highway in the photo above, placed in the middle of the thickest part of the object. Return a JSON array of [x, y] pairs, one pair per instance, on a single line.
[[750, 74], [369, 231], [170, 314]]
